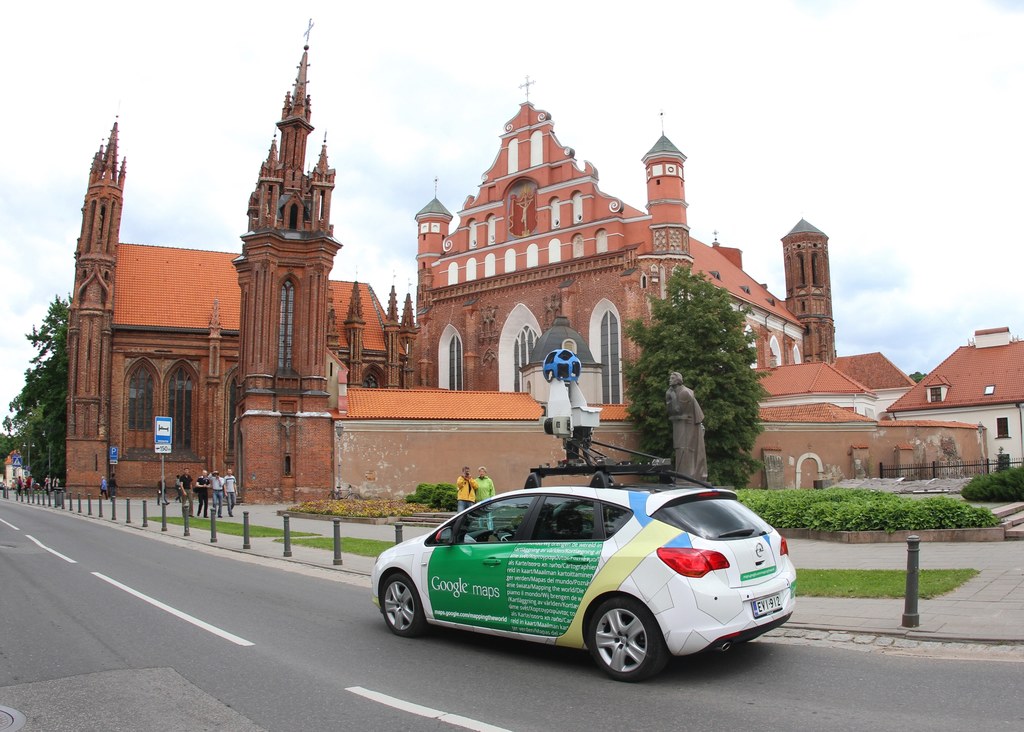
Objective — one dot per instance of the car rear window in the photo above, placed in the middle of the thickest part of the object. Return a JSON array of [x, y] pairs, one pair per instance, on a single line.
[[712, 517]]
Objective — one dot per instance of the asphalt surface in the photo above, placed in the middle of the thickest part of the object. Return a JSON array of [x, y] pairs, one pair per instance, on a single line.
[[988, 609]]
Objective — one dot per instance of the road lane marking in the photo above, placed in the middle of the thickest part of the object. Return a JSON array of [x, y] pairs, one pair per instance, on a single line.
[[54, 552], [422, 711], [10, 524], [177, 613]]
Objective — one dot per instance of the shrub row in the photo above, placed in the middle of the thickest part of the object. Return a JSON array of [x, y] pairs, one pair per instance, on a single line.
[[439, 496], [844, 509], [1006, 485]]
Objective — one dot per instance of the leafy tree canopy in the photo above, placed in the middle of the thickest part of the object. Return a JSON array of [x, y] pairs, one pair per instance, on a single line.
[[39, 412], [697, 331]]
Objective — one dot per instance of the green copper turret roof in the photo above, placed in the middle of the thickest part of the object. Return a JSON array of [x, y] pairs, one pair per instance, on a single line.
[[664, 146], [434, 208]]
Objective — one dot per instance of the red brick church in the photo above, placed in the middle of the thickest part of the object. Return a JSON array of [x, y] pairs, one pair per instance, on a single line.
[[251, 353], [247, 353]]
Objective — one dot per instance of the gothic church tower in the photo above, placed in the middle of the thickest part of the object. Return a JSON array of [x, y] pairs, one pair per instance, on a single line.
[[809, 290], [284, 427], [90, 320]]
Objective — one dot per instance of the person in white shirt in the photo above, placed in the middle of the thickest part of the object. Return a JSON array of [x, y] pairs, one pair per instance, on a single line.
[[229, 491], [217, 485]]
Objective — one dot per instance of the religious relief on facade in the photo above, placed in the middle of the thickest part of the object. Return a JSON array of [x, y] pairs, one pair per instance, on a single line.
[[489, 357], [522, 209], [552, 308], [488, 324]]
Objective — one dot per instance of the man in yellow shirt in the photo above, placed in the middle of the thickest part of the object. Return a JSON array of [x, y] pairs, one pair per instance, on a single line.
[[466, 486]]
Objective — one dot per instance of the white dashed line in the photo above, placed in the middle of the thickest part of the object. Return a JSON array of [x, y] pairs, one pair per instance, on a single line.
[[54, 552], [178, 613], [422, 711], [10, 524]]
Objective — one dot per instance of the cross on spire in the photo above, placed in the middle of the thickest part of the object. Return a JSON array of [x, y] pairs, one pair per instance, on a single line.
[[435, 186], [310, 28], [526, 85]]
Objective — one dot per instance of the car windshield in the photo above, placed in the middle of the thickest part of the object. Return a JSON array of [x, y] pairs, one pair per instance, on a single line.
[[712, 517]]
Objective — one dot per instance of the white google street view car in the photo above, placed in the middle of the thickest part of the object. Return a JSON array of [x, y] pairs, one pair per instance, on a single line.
[[634, 574]]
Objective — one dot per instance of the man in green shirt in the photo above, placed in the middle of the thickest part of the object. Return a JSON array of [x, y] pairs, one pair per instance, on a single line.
[[484, 485]]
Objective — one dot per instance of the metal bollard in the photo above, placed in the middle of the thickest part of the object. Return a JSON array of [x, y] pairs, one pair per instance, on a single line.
[[79, 503], [127, 510], [398, 532], [185, 517], [246, 544], [911, 618], [89, 498], [213, 527], [99, 506], [163, 516], [145, 514], [287, 537], [337, 541], [113, 509]]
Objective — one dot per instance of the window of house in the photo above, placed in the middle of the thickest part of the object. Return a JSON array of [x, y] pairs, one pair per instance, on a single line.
[[1002, 426], [990, 390], [935, 394]]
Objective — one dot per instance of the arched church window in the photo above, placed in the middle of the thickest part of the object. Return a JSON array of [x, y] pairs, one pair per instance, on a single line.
[[510, 260], [470, 269], [577, 246], [532, 255], [140, 404], [602, 241], [370, 381], [513, 156], [525, 342], [285, 325], [453, 274], [492, 224], [554, 251], [472, 233], [455, 364], [293, 216], [815, 265], [610, 363], [489, 265], [536, 148], [179, 406], [577, 207], [556, 213], [232, 408]]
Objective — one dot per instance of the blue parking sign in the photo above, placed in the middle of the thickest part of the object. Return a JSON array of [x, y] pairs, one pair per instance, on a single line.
[[113, 455]]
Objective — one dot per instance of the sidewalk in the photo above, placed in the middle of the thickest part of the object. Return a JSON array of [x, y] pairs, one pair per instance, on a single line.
[[988, 609]]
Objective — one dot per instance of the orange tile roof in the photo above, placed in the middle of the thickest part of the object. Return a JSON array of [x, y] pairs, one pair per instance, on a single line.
[[967, 371], [441, 404], [821, 412], [809, 378], [708, 259], [170, 287], [874, 371], [613, 412], [931, 423]]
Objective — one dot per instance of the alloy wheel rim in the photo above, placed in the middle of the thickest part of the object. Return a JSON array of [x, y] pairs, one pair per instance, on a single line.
[[621, 640], [398, 605]]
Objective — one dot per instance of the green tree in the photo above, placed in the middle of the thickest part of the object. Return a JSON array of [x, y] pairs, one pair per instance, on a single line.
[[697, 331], [39, 412], [917, 376]]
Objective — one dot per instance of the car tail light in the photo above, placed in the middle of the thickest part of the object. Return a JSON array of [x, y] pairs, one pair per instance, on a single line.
[[692, 562], [783, 546]]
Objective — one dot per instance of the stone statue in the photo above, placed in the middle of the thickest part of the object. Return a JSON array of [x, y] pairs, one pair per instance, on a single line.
[[687, 429]]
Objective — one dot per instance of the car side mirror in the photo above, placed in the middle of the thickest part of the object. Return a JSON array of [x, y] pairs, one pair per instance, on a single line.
[[444, 536]]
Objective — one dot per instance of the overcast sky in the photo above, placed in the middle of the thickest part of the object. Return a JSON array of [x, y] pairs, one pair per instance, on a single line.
[[894, 127]]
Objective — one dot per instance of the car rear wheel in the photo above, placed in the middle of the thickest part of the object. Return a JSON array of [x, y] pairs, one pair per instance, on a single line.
[[625, 640], [401, 607]]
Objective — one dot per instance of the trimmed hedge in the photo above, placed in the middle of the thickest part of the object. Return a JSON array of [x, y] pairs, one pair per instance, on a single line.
[[1006, 485], [845, 509], [439, 496]]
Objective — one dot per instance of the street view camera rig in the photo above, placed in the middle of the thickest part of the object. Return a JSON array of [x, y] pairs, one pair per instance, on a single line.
[[568, 416]]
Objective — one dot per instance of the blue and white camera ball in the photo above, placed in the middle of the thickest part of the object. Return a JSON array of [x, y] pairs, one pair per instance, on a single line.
[[563, 365]]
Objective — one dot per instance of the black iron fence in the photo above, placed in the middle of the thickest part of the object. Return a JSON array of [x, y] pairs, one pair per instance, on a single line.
[[948, 469]]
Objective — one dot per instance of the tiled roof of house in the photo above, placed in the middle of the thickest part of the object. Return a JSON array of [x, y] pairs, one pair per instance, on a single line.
[[967, 372], [170, 287], [874, 371], [821, 412], [809, 378], [722, 271], [930, 423], [441, 404]]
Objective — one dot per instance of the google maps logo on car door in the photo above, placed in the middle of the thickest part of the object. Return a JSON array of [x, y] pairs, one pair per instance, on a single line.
[[524, 588]]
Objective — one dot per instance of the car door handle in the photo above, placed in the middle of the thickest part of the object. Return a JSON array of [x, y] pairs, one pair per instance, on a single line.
[[492, 561]]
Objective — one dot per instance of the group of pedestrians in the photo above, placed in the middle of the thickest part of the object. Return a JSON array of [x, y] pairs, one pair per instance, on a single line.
[[470, 490], [224, 492]]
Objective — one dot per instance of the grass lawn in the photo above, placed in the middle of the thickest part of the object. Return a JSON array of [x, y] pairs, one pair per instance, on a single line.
[[349, 545], [229, 528], [878, 583]]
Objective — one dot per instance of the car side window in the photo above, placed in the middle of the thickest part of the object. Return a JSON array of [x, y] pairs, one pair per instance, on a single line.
[[493, 521], [562, 518], [615, 517]]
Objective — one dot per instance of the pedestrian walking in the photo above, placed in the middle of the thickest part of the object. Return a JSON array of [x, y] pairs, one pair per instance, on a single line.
[[229, 491], [202, 494], [103, 486], [217, 486]]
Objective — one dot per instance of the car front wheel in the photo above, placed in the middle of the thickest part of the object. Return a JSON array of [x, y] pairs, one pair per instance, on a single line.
[[625, 640], [400, 605]]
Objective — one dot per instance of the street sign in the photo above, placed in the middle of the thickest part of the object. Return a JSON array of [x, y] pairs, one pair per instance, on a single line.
[[113, 455], [162, 434], [15, 460]]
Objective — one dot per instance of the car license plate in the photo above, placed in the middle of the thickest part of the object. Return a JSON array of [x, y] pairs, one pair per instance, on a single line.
[[767, 605]]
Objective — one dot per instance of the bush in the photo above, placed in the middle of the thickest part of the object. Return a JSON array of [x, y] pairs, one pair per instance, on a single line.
[[360, 508], [439, 496], [1006, 485], [843, 509]]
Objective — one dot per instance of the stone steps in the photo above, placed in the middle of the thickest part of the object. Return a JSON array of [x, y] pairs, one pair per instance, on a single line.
[[1010, 509]]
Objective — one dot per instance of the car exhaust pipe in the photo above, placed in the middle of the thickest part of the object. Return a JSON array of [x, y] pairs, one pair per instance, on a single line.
[[724, 647]]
